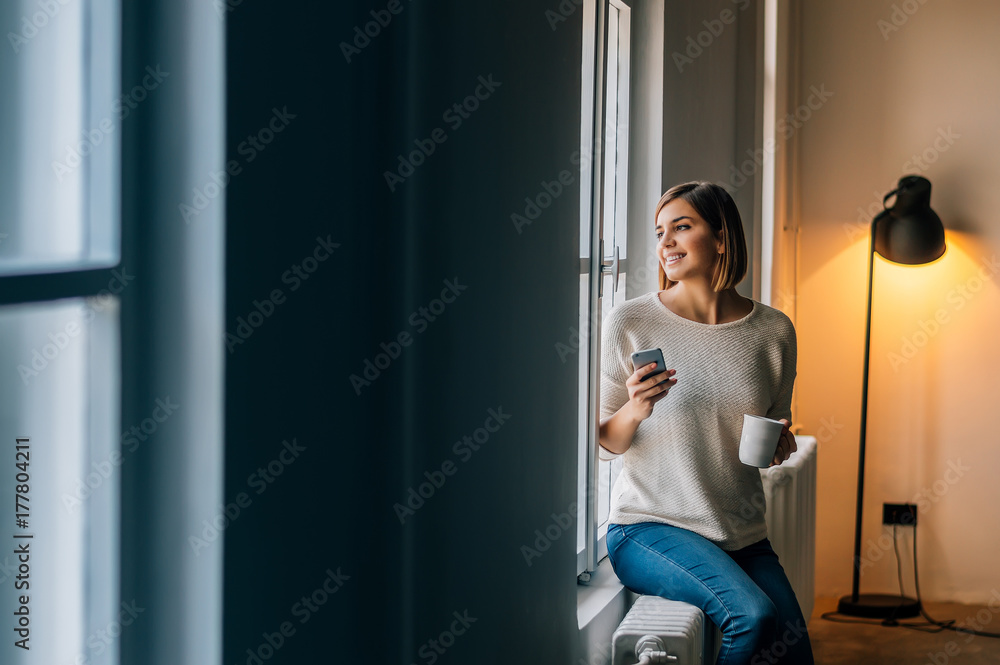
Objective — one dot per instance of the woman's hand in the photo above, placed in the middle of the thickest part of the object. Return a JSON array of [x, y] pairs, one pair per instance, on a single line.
[[786, 444], [645, 391]]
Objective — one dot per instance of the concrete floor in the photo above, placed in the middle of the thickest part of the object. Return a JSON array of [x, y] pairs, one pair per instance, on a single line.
[[859, 644]]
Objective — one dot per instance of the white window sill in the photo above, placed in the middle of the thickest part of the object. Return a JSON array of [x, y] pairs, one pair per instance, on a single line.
[[600, 607]]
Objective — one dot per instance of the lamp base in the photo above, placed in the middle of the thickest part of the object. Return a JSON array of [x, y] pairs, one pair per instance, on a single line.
[[879, 606]]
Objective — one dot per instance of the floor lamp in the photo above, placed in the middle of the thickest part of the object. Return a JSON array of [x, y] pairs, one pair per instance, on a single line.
[[909, 233]]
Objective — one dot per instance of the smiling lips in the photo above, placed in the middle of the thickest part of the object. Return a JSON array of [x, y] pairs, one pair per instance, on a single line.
[[674, 258]]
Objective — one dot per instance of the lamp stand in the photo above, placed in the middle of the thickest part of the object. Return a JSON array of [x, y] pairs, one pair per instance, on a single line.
[[870, 605]]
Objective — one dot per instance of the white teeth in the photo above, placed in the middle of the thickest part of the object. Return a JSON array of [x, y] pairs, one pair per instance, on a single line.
[[675, 257]]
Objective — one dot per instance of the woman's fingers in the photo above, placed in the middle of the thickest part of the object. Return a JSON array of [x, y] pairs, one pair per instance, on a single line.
[[779, 452], [786, 444], [660, 384], [655, 380]]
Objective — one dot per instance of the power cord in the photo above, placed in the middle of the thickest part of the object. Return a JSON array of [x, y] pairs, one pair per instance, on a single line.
[[899, 562], [931, 625]]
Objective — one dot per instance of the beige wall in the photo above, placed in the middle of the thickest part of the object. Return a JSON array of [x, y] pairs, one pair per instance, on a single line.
[[937, 403]]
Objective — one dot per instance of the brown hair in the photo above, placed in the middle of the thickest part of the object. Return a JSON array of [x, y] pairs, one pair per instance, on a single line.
[[715, 206]]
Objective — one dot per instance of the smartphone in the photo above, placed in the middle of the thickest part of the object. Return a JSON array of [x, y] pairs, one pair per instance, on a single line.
[[646, 356]]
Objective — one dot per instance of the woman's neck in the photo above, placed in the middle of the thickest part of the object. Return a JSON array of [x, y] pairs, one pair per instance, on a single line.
[[702, 304]]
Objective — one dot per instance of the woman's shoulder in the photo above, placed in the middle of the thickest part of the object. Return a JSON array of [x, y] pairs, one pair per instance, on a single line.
[[776, 323], [634, 311], [769, 313]]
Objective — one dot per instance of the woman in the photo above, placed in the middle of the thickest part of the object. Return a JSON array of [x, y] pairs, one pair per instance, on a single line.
[[684, 521]]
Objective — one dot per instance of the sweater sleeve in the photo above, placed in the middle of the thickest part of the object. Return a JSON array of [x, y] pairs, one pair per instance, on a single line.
[[781, 407], [615, 370]]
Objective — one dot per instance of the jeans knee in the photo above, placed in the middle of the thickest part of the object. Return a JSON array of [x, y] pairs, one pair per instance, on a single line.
[[761, 621]]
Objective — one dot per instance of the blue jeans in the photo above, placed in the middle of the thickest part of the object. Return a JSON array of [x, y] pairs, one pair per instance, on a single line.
[[745, 592]]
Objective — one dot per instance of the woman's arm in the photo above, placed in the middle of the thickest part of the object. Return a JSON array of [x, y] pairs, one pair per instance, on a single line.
[[781, 408], [616, 431], [628, 395]]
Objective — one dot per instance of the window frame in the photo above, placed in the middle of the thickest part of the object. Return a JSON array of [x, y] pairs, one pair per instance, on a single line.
[[596, 264], [35, 281], [171, 326]]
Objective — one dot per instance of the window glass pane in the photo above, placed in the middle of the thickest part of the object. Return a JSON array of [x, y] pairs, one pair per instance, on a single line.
[[610, 140], [61, 112], [622, 76], [613, 150], [59, 398], [584, 414], [609, 470]]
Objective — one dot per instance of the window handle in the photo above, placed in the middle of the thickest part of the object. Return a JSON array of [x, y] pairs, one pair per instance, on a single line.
[[609, 266]]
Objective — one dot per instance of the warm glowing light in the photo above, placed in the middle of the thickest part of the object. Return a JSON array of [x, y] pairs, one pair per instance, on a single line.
[[905, 292]]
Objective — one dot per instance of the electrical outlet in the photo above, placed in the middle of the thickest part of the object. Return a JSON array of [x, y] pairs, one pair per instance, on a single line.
[[899, 513]]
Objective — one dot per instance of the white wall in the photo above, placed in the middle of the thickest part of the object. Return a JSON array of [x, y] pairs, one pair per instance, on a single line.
[[901, 84], [707, 122]]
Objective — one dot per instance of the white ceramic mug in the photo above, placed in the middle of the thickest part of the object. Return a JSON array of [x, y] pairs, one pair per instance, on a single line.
[[759, 440]]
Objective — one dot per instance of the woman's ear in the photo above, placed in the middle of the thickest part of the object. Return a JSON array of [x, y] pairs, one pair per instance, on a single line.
[[720, 244]]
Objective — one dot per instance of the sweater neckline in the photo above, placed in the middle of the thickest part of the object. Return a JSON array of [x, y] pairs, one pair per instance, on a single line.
[[755, 307]]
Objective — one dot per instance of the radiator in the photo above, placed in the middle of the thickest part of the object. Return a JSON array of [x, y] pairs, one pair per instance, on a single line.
[[790, 493], [657, 630]]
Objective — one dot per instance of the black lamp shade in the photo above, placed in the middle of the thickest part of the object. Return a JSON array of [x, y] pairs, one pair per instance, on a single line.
[[910, 232]]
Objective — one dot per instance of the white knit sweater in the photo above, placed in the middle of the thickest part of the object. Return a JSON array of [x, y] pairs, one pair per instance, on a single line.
[[683, 466]]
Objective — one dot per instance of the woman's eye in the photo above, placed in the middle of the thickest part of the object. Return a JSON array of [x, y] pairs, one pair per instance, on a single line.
[[681, 226], [659, 234]]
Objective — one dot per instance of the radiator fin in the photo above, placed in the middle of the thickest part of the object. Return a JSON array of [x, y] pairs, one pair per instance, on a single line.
[[680, 626]]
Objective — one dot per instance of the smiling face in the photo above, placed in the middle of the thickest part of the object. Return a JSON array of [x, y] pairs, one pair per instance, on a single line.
[[686, 247]]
